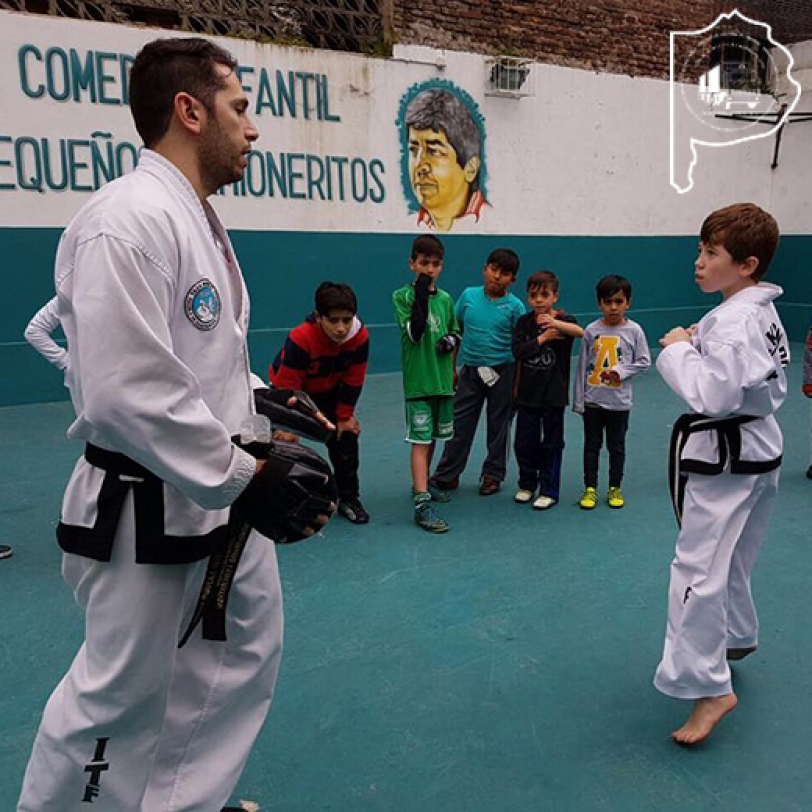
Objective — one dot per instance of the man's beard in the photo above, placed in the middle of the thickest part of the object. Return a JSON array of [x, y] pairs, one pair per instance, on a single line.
[[218, 166]]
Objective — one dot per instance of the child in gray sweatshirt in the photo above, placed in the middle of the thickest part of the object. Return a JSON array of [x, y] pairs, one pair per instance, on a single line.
[[613, 350]]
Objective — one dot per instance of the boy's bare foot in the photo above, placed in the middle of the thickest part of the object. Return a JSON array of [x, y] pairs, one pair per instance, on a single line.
[[707, 713]]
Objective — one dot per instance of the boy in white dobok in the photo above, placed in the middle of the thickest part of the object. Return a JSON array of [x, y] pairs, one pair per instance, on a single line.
[[725, 459]]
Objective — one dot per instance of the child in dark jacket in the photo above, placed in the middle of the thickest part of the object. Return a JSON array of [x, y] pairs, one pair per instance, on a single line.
[[542, 345]]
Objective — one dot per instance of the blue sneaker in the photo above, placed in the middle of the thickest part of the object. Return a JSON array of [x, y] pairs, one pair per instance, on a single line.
[[426, 516]]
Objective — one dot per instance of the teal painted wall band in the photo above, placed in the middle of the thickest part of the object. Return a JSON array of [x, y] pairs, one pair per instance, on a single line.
[[282, 270]]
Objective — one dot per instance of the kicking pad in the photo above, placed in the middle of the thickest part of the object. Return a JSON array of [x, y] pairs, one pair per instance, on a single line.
[[300, 418]]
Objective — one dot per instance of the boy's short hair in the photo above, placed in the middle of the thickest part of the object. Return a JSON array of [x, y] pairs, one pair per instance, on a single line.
[[612, 284], [428, 245], [543, 280], [743, 230], [335, 296], [505, 259]]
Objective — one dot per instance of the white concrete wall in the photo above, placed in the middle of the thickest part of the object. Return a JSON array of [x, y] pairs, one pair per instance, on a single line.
[[588, 154]]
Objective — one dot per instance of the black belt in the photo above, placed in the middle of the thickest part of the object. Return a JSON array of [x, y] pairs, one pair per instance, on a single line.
[[212, 601], [729, 437], [223, 546], [115, 463]]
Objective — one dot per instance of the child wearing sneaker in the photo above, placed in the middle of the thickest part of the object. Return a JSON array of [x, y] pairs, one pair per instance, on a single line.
[[542, 346], [326, 357], [487, 315], [730, 369], [429, 336], [614, 349]]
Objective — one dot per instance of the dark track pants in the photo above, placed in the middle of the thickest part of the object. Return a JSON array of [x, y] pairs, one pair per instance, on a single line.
[[539, 447]]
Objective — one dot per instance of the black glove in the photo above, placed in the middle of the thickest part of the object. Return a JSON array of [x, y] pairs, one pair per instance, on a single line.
[[420, 307], [284, 500], [448, 343], [300, 418]]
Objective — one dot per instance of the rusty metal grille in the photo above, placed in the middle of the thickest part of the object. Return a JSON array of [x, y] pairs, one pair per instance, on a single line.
[[341, 25]]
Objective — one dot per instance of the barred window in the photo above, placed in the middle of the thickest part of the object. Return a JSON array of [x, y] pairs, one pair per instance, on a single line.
[[342, 25]]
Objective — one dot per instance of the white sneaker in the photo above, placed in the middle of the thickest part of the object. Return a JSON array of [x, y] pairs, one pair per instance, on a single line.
[[543, 503], [523, 497]]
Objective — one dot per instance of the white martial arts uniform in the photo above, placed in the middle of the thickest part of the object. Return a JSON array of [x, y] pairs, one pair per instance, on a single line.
[[38, 335], [735, 366], [155, 311]]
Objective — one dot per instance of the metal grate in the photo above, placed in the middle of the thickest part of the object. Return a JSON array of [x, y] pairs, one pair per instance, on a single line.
[[510, 76], [362, 26]]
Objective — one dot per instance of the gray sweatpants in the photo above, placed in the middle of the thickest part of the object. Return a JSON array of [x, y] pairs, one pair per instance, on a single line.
[[471, 395]]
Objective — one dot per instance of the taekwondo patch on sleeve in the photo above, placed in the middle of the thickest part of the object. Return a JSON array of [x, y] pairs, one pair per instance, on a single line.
[[203, 305]]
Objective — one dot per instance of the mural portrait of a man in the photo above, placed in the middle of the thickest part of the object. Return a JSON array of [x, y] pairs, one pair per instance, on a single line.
[[444, 140]]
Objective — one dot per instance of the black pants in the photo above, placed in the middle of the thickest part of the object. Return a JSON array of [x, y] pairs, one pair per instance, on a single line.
[[343, 452], [539, 447], [615, 424]]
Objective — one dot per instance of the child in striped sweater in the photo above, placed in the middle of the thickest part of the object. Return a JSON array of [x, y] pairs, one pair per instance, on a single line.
[[326, 356]]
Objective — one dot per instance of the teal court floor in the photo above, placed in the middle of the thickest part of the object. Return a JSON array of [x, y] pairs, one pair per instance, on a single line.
[[503, 667]]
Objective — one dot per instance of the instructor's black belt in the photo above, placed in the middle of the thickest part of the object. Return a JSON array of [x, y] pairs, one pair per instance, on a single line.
[[728, 431], [152, 544], [223, 546]]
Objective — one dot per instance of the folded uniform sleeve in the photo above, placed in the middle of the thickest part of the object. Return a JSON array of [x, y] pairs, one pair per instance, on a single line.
[[712, 383]]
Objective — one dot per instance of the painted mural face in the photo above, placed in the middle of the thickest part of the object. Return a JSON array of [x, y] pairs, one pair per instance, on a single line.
[[442, 136], [442, 186]]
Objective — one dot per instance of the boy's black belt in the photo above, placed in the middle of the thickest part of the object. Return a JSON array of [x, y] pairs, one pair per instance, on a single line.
[[729, 442]]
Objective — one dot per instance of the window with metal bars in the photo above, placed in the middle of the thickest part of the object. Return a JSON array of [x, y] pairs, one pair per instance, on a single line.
[[342, 25]]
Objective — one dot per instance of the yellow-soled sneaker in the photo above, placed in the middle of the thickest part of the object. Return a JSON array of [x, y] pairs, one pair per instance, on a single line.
[[615, 498], [589, 499]]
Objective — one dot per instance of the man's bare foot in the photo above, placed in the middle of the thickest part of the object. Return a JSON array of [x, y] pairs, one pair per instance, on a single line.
[[707, 713]]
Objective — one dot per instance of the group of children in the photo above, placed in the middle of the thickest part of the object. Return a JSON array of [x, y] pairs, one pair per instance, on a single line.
[[725, 452], [511, 362], [486, 351]]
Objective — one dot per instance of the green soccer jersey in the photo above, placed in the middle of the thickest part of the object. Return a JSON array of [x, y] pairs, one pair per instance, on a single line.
[[426, 372]]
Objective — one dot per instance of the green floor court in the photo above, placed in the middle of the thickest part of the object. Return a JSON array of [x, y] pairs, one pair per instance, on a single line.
[[504, 667]]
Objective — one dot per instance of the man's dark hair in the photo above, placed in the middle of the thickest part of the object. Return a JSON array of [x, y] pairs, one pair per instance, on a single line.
[[442, 111], [743, 230], [335, 296], [612, 284], [545, 280], [506, 259], [165, 67], [428, 245]]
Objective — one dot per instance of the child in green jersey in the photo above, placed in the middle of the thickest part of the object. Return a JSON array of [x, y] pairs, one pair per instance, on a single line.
[[429, 336]]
